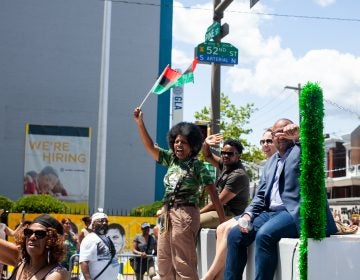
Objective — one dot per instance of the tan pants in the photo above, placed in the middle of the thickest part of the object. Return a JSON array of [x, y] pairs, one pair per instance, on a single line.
[[176, 249], [211, 219]]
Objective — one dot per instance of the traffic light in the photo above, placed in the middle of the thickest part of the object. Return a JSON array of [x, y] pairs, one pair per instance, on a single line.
[[204, 127]]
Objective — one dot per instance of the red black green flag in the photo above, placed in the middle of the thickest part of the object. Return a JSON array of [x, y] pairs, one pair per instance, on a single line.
[[166, 80], [188, 75], [171, 78]]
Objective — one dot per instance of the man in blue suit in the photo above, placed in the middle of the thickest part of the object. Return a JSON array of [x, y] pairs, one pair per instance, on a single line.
[[274, 213]]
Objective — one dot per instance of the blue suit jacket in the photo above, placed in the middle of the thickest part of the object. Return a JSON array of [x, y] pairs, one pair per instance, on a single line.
[[289, 189]]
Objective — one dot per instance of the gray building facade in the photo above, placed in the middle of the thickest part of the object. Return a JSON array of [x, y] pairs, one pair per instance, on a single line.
[[50, 63]]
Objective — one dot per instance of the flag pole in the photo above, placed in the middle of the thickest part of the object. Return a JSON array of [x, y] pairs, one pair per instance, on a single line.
[[150, 91], [146, 97]]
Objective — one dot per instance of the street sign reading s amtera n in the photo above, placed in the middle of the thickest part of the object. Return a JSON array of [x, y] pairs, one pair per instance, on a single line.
[[217, 52]]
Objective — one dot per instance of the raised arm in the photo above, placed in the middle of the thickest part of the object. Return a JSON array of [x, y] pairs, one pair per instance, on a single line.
[[144, 135], [9, 253], [210, 141]]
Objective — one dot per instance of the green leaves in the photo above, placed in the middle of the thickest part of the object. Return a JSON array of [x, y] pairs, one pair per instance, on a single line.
[[233, 124], [39, 204]]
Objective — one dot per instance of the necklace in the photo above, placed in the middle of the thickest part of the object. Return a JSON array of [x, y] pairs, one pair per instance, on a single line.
[[27, 275]]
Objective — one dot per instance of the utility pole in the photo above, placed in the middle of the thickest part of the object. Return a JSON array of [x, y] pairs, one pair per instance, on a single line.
[[298, 90], [219, 8]]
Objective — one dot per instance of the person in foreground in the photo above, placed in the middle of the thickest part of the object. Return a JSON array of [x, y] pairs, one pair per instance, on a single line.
[[180, 220], [232, 182], [216, 270], [98, 258], [37, 252], [274, 212]]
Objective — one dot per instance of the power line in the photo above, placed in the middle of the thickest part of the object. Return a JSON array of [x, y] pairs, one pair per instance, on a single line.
[[302, 16], [342, 108], [240, 12], [273, 112]]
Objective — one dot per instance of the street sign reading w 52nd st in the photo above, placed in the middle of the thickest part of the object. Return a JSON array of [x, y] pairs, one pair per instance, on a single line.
[[217, 52], [212, 31]]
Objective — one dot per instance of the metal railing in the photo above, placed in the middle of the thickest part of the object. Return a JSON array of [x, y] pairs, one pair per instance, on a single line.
[[144, 270], [74, 267]]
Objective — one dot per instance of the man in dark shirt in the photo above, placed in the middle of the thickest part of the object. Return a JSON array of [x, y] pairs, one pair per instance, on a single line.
[[232, 183]]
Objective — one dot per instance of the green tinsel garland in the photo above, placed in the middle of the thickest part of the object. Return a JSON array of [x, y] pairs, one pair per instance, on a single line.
[[312, 178]]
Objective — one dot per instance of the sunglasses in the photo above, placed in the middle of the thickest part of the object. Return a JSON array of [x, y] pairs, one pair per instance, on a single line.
[[39, 234], [267, 141], [229, 154]]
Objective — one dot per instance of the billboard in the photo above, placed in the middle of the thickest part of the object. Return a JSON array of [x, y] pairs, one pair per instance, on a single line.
[[57, 162]]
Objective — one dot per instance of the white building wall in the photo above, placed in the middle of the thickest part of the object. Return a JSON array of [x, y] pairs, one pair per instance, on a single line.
[[50, 74]]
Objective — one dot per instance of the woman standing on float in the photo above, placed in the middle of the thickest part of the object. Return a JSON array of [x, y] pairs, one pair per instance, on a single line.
[[181, 215]]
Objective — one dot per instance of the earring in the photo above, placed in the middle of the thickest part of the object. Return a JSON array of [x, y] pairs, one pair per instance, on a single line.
[[48, 256]]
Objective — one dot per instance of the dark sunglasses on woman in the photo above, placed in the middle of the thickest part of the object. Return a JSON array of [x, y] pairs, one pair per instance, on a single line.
[[39, 234]]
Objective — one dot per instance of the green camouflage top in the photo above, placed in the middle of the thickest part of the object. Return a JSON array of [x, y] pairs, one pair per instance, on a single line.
[[192, 174]]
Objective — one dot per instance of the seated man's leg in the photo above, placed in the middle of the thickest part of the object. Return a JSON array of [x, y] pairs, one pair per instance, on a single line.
[[236, 257], [209, 219], [279, 225]]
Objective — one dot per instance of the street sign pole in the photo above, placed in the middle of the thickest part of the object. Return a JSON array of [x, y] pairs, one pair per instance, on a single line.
[[219, 7], [215, 82]]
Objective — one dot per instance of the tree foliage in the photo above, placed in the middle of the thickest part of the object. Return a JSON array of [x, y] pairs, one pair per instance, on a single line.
[[233, 124], [148, 210], [39, 204], [6, 203]]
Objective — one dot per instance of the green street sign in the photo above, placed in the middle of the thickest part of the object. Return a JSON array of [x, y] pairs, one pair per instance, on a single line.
[[217, 48], [217, 52], [212, 31]]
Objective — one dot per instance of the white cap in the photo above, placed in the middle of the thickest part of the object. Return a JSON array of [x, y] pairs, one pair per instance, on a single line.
[[97, 216]]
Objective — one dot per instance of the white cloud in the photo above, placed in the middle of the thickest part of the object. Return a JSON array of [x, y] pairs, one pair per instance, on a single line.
[[189, 25], [180, 57], [264, 65], [333, 70], [324, 3]]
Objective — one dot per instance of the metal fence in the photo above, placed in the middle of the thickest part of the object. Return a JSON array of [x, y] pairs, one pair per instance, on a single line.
[[145, 270]]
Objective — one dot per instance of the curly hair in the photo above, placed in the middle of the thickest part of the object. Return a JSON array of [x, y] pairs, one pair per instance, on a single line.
[[191, 132], [234, 143], [55, 243]]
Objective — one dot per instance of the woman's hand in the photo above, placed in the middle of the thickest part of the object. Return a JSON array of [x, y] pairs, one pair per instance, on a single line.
[[137, 114]]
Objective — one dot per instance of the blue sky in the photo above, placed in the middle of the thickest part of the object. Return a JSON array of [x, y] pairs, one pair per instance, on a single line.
[[274, 52]]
